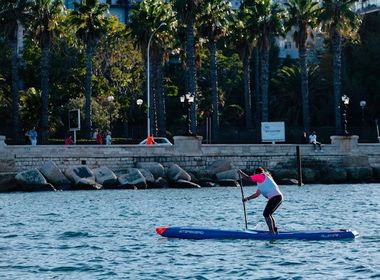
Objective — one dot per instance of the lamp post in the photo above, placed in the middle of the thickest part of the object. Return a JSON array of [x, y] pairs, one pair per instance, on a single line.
[[148, 77], [346, 101], [362, 104], [110, 100], [187, 99]]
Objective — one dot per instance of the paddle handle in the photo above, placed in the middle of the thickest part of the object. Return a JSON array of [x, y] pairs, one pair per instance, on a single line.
[[242, 199]]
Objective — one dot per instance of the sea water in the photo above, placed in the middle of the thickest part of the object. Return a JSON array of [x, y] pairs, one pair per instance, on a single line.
[[110, 234]]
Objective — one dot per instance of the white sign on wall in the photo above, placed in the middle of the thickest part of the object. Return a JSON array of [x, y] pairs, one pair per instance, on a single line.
[[272, 131]]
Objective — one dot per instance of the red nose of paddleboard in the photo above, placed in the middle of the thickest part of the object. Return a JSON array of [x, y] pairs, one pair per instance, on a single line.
[[161, 230]]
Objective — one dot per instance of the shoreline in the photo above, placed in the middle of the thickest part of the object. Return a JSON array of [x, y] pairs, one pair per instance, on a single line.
[[343, 161]]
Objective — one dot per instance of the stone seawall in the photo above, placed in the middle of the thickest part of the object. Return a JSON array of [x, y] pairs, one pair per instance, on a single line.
[[193, 156]]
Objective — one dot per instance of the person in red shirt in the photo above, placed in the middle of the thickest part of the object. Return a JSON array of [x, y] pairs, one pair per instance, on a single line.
[[99, 138], [150, 140], [68, 140]]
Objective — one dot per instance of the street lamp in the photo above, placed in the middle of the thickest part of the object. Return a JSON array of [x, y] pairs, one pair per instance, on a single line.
[[110, 100], [139, 102], [187, 99], [346, 101], [148, 77], [362, 104]]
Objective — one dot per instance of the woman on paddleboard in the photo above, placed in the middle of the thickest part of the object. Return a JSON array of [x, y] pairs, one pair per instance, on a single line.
[[269, 189]]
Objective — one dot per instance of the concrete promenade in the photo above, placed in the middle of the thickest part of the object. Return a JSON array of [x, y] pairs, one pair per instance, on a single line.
[[192, 155]]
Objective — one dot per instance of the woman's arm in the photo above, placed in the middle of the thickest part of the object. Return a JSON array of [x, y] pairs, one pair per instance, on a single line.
[[253, 196]]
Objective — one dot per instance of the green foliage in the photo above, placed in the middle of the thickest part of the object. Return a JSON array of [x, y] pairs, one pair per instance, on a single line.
[[30, 108], [214, 19], [286, 102], [232, 115], [90, 18], [118, 69], [102, 111], [363, 72]]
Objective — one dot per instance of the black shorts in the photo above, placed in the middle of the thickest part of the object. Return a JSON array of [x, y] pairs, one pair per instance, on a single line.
[[272, 205]]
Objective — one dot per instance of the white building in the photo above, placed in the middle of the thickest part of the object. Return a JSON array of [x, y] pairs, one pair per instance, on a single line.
[[118, 8]]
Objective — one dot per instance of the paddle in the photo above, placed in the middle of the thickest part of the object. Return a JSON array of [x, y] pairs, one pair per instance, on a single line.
[[242, 198]]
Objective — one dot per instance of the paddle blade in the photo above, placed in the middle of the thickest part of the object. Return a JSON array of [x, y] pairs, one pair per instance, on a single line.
[[161, 230]]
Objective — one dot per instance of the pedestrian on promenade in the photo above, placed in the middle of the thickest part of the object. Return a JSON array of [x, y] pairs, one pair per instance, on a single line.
[[108, 138], [99, 137], [150, 140], [313, 140], [68, 140], [32, 134], [270, 190]]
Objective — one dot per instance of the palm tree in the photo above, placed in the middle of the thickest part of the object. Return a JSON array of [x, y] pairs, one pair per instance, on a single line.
[[287, 104], [14, 13], [266, 20], [145, 20], [338, 21], [46, 14], [214, 21], [187, 11], [244, 46], [89, 18], [303, 15], [244, 41]]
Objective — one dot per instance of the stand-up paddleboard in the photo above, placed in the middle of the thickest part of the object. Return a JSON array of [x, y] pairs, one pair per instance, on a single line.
[[213, 233]]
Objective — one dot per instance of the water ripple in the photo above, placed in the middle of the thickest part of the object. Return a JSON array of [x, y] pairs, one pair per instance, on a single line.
[[73, 234], [110, 235]]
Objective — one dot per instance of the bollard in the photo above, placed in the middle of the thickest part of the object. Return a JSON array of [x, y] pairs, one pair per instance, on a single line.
[[299, 165]]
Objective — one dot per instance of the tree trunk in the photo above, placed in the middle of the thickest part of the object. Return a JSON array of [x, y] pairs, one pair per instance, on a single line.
[[247, 91], [214, 89], [264, 63], [337, 67], [191, 74], [304, 88], [88, 88], [257, 93], [45, 92], [15, 93]]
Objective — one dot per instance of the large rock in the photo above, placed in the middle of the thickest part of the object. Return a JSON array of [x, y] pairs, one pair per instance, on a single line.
[[147, 175], [154, 167], [33, 180], [175, 173], [161, 183], [105, 177], [206, 184], [219, 166], [228, 183], [133, 179], [54, 175], [184, 184], [8, 182], [231, 174], [82, 177]]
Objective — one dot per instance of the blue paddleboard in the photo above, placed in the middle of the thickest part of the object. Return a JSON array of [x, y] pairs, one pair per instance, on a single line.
[[214, 233]]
